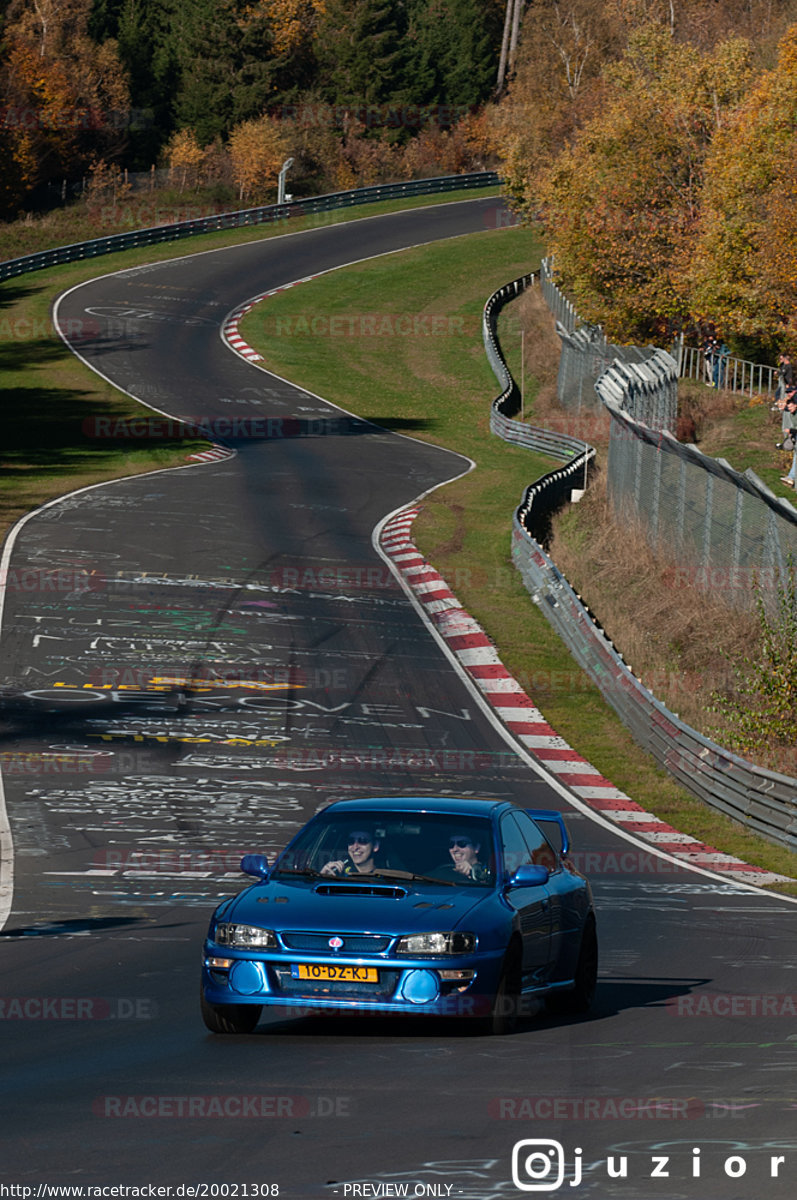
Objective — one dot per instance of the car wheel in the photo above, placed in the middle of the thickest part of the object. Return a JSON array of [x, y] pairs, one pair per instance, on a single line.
[[503, 1016], [580, 998], [230, 1018]]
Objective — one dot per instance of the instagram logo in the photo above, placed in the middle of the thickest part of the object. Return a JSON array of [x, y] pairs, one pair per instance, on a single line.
[[538, 1165]]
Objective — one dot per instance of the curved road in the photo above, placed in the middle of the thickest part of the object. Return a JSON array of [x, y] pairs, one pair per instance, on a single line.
[[195, 659]]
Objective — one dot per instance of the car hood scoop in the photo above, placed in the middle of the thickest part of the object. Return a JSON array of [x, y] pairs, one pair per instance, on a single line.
[[387, 891]]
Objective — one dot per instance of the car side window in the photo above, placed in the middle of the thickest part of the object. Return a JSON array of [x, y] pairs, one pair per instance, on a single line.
[[541, 852], [514, 849]]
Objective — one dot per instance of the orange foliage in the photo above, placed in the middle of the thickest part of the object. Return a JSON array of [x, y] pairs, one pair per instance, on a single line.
[[257, 151], [292, 22], [64, 96]]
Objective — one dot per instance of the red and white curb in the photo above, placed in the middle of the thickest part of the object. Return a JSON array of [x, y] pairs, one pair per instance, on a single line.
[[478, 656], [229, 329], [215, 454]]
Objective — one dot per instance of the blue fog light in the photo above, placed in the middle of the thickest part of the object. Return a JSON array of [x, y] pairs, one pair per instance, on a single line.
[[247, 978], [420, 987]]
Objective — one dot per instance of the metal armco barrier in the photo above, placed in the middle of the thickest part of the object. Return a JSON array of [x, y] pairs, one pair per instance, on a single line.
[[266, 214], [764, 801], [548, 494], [504, 406], [647, 391]]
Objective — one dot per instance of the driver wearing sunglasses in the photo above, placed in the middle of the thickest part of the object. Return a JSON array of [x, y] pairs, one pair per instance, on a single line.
[[464, 854], [361, 845]]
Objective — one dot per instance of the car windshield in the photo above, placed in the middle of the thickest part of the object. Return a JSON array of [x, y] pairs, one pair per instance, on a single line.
[[433, 846]]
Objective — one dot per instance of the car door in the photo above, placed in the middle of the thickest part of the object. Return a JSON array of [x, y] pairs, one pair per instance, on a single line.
[[532, 904], [543, 854]]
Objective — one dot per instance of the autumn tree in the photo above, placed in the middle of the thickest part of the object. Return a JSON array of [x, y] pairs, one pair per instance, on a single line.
[[65, 97], [621, 204], [293, 23], [184, 155], [744, 272], [257, 151], [560, 57]]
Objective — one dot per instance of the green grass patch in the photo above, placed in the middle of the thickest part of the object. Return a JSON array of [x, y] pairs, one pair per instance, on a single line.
[[47, 393], [439, 387], [741, 429]]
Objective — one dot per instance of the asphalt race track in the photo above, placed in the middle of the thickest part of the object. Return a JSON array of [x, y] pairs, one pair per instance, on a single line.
[[133, 785]]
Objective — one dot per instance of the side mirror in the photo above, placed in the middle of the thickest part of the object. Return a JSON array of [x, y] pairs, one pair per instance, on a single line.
[[529, 875], [255, 864]]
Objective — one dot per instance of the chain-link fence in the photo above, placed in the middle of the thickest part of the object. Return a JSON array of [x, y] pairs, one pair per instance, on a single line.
[[725, 529], [763, 801], [586, 356]]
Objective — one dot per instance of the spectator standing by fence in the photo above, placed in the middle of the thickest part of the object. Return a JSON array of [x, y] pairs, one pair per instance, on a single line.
[[785, 376], [721, 355], [788, 405], [710, 351]]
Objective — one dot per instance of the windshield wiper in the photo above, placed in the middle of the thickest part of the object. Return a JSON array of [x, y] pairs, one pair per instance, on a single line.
[[394, 873], [306, 872]]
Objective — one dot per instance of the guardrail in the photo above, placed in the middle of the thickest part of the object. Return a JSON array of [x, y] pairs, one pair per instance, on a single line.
[[647, 391], [762, 800], [266, 214], [545, 496]]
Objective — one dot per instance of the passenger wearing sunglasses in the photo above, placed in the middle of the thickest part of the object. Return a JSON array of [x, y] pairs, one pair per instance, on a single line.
[[464, 854], [361, 845]]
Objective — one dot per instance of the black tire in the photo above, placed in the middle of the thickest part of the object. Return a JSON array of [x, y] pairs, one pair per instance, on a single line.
[[581, 997], [229, 1018], [503, 1018]]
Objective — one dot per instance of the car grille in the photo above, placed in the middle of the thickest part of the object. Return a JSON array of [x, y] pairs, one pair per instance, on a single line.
[[337, 990], [318, 943]]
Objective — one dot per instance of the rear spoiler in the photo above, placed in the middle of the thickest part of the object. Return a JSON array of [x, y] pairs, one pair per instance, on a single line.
[[559, 837]]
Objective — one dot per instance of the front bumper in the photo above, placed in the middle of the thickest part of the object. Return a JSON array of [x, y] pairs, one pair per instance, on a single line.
[[456, 986]]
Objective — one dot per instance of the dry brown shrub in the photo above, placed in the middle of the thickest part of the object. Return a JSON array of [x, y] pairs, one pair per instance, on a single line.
[[541, 350], [677, 638], [711, 409]]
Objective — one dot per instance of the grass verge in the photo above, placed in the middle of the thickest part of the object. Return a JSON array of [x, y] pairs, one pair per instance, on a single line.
[[47, 393], [441, 387]]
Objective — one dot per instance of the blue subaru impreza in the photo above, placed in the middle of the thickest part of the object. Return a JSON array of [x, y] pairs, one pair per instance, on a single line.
[[427, 905]]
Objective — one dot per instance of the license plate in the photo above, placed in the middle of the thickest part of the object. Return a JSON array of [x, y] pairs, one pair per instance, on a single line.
[[330, 973]]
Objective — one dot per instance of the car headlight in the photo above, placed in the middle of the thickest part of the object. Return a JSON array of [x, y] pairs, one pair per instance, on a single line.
[[436, 943], [248, 936]]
